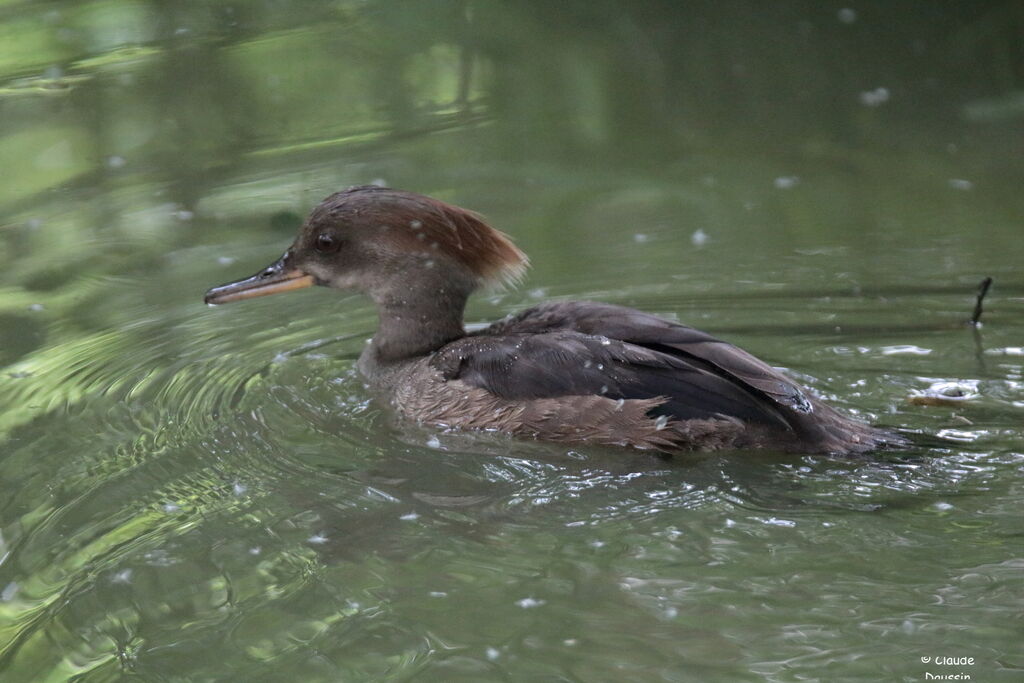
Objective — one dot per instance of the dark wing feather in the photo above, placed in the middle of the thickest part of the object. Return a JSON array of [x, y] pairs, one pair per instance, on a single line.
[[568, 363], [652, 332]]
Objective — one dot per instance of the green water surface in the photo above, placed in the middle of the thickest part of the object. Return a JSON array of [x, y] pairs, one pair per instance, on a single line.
[[210, 494]]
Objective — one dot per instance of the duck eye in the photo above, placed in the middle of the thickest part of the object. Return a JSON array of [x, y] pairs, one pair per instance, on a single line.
[[326, 244]]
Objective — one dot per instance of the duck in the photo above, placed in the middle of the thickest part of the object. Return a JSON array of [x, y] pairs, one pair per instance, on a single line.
[[577, 372]]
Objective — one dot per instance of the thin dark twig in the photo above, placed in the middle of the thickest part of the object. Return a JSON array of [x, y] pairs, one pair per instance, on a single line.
[[982, 291]]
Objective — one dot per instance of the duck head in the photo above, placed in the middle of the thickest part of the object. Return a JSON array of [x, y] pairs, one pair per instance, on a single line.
[[388, 244]]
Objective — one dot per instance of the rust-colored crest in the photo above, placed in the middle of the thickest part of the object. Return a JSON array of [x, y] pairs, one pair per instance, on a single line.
[[418, 222]]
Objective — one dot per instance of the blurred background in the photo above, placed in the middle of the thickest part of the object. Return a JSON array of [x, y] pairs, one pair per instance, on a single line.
[[211, 494]]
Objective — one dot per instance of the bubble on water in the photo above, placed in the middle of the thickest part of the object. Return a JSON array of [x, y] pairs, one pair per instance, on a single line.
[[409, 517], [115, 162], [35, 308], [671, 612], [238, 488], [875, 98], [280, 358], [847, 15], [492, 653], [317, 539], [379, 182], [699, 238], [942, 506], [255, 550], [226, 260], [528, 603], [640, 238], [182, 31], [433, 442], [597, 544], [1006, 351], [775, 521], [184, 215], [961, 184], [904, 350], [786, 182], [53, 72], [171, 507], [437, 594], [33, 223]]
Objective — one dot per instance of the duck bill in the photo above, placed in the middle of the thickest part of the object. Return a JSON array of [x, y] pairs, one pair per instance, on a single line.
[[273, 279]]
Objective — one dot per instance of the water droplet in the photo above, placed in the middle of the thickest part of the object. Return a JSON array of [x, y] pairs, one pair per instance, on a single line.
[[123, 576], [875, 98], [527, 603], [9, 591]]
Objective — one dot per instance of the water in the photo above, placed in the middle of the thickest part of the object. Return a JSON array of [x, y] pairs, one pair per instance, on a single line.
[[211, 494]]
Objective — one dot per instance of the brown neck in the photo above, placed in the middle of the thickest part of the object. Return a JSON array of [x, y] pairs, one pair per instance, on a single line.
[[416, 320]]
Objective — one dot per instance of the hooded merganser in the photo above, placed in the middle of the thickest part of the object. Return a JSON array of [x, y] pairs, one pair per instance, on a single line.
[[567, 371]]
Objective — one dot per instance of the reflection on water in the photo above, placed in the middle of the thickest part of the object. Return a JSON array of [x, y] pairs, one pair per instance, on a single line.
[[194, 493]]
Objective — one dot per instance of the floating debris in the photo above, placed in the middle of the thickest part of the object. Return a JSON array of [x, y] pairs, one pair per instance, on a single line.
[[946, 393]]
